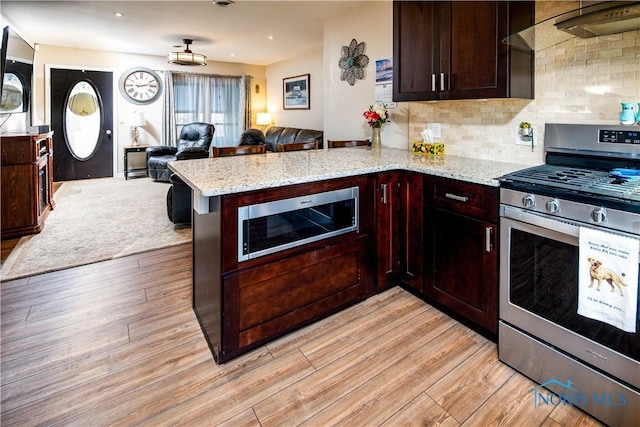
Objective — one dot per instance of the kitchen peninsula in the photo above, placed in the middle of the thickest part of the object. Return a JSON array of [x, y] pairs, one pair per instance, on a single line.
[[284, 239]]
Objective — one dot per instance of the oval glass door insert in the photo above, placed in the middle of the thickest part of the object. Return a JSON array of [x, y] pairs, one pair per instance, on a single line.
[[82, 120], [12, 94]]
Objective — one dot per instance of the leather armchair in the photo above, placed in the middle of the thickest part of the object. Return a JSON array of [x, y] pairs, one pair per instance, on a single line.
[[194, 143], [252, 137], [179, 202]]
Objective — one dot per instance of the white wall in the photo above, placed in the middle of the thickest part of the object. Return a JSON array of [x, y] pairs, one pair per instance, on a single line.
[[340, 113], [344, 104], [62, 57], [309, 63]]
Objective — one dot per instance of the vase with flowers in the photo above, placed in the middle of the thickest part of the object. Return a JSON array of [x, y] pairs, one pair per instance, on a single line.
[[376, 116]]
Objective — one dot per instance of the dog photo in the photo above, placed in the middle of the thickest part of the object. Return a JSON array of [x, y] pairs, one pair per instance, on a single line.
[[599, 273]]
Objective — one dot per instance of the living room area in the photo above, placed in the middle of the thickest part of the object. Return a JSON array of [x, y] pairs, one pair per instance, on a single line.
[[334, 107]]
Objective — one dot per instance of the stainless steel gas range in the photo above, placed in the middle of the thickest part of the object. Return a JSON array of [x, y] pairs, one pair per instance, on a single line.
[[565, 321]]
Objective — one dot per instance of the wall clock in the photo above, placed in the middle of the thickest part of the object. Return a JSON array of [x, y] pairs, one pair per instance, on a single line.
[[140, 85]]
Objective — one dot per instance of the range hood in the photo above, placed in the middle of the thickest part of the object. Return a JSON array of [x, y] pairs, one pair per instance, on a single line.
[[600, 19]]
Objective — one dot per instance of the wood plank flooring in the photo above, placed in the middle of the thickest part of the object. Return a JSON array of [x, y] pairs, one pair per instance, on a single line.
[[116, 343]]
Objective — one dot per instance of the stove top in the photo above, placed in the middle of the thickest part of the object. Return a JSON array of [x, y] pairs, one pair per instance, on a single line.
[[586, 163], [585, 181]]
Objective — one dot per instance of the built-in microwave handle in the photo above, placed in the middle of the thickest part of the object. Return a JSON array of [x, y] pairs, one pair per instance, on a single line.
[[383, 188], [463, 199]]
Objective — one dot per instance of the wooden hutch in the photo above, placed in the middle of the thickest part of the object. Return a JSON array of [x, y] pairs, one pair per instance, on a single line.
[[27, 182]]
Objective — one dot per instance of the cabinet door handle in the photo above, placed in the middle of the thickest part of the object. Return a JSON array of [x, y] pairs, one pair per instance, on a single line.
[[463, 199], [443, 86], [488, 239], [433, 82], [383, 187]]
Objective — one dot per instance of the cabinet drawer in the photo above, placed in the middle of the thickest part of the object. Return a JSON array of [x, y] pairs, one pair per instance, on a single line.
[[479, 201], [266, 301]]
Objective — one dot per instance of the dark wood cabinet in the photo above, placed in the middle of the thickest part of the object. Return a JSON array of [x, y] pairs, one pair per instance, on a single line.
[[242, 304], [268, 300], [461, 254], [412, 229], [434, 235], [26, 183], [387, 228], [453, 50], [399, 224]]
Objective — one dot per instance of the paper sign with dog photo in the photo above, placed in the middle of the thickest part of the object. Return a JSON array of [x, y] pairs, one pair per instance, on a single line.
[[608, 278]]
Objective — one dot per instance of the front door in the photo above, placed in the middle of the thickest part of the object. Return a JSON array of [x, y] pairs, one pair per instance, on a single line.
[[82, 120]]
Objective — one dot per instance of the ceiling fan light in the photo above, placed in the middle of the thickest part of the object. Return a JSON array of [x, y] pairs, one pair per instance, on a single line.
[[187, 57]]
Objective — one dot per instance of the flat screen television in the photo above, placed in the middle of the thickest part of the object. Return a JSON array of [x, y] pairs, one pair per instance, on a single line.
[[17, 73]]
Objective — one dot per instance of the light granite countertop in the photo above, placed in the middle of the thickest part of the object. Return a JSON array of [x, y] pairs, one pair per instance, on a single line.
[[227, 175]]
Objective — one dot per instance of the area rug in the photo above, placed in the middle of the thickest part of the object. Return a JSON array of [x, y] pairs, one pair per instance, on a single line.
[[96, 220]]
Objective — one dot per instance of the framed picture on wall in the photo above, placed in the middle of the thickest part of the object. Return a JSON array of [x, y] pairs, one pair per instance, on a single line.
[[296, 92]]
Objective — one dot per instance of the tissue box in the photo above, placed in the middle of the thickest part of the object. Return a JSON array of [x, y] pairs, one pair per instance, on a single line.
[[432, 149]]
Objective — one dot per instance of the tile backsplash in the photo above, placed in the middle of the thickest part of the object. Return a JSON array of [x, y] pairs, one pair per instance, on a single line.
[[580, 80]]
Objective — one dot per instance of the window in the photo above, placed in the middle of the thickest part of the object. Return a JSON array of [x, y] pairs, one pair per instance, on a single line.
[[218, 100]]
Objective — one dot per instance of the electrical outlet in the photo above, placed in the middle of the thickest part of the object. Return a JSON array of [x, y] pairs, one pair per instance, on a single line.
[[435, 128], [524, 140]]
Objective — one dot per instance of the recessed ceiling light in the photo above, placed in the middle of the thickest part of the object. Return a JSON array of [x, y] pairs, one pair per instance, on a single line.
[[270, 37], [233, 54], [223, 3], [118, 14]]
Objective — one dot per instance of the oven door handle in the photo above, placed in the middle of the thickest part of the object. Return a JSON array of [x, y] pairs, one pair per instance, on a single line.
[[563, 226]]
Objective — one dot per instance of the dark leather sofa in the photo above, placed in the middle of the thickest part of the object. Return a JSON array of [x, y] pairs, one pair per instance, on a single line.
[[194, 143], [284, 135]]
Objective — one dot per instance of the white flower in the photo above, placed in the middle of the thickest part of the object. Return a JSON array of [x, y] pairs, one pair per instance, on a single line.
[[380, 109]]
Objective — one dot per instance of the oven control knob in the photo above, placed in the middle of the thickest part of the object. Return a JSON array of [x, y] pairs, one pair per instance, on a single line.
[[553, 206], [528, 201], [599, 215]]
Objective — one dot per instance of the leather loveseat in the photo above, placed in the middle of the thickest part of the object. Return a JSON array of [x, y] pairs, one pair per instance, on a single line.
[[284, 135]]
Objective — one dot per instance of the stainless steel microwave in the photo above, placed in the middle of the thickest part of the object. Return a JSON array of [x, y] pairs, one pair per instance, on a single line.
[[270, 227]]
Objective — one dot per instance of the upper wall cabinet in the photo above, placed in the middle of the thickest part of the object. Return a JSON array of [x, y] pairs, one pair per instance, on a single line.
[[453, 50]]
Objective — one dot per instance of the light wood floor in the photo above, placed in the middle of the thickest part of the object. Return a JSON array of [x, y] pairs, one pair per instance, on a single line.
[[116, 343]]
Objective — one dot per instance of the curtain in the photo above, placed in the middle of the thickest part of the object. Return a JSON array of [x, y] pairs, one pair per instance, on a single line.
[[247, 101], [223, 101], [168, 112]]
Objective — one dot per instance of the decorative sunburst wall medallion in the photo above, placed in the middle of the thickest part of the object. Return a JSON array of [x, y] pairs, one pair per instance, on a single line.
[[353, 62]]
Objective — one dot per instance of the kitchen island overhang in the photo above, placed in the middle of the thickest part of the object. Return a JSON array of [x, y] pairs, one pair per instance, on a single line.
[[229, 175], [243, 304]]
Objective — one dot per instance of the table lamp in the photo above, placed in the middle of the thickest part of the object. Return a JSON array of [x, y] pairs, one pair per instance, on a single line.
[[263, 120], [137, 121]]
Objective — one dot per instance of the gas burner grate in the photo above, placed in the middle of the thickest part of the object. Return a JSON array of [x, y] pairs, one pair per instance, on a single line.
[[593, 182], [558, 176], [613, 187]]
